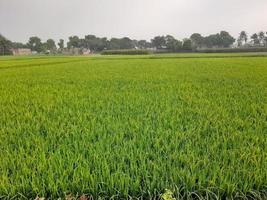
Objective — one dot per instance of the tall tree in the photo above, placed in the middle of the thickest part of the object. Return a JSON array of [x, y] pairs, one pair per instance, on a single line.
[[159, 42], [222, 39], [261, 37], [51, 45], [213, 40], [173, 44], [61, 44], [5, 46], [226, 39], [113, 43], [143, 44], [90, 42], [126, 43], [187, 45], [243, 38], [239, 42], [103, 44], [74, 42], [35, 44], [255, 39], [197, 40], [120, 43]]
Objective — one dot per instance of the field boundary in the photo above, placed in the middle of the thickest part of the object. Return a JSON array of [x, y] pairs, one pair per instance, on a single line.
[[125, 57], [41, 64]]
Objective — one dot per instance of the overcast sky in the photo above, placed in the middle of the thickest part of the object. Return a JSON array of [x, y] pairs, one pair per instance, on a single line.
[[139, 19]]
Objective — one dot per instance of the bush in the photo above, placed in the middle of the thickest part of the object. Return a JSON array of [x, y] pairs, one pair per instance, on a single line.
[[126, 52]]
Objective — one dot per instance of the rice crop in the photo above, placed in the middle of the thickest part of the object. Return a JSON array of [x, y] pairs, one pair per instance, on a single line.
[[131, 127]]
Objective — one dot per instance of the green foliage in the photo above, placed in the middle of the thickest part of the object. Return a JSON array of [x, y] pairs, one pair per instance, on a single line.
[[5, 46], [117, 43], [94, 43], [159, 42], [197, 40], [35, 44], [167, 44], [219, 40], [187, 45], [255, 39], [51, 45], [226, 40], [131, 126], [61, 44], [74, 42], [172, 44], [143, 44], [242, 39], [259, 39], [18, 45]]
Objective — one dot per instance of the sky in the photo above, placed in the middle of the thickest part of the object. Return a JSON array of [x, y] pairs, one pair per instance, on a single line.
[[137, 19]]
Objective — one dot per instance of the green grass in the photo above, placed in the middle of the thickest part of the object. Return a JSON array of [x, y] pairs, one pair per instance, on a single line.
[[133, 126]]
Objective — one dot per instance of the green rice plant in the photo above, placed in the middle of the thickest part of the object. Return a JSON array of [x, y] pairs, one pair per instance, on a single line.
[[128, 127]]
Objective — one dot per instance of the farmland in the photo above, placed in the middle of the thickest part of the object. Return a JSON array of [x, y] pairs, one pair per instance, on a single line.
[[133, 126]]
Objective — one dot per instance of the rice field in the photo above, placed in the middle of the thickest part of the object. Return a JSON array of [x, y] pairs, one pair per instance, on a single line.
[[194, 125]]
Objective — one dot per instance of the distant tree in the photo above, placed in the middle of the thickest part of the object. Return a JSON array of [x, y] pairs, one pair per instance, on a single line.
[[197, 40], [51, 45], [74, 42], [143, 44], [90, 42], [35, 44], [94, 43], [265, 39], [103, 44], [173, 44], [212, 40], [222, 39], [226, 39], [187, 45], [239, 42], [61, 44], [255, 39], [140, 44], [114, 44], [120, 43], [126, 43], [135, 44], [242, 39], [5, 46], [17, 45], [261, 37], [159, 42]]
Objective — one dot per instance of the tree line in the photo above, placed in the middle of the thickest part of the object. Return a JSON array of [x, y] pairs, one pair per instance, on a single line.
[[161, 43]]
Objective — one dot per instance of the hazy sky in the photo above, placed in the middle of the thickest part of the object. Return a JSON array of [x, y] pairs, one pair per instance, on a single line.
[[140, 19]]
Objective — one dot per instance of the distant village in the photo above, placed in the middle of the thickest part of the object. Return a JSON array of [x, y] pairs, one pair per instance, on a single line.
[[28, 51]]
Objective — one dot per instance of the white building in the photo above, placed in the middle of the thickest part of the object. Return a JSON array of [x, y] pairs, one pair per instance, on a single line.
[[21, 51]]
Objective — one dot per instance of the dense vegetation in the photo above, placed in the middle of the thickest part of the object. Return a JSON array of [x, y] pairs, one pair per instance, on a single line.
[[133, 126], [166, 43], [233, 50]]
